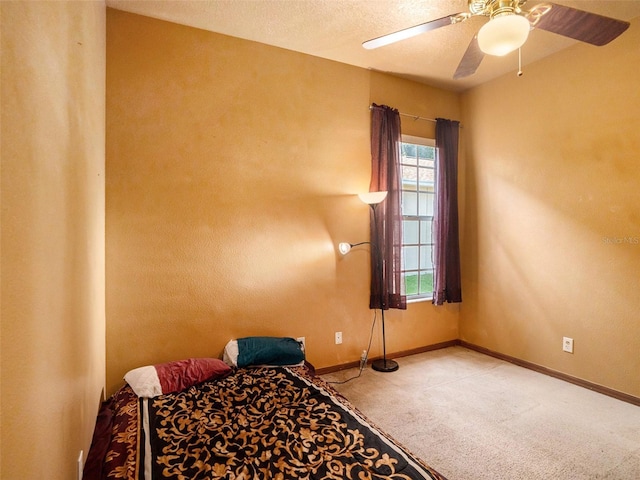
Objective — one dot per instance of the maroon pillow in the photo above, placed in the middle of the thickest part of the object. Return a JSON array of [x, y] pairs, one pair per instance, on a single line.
[[182, 374]]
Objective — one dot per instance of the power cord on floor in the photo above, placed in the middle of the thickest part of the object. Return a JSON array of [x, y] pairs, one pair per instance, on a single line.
[[362, 364]]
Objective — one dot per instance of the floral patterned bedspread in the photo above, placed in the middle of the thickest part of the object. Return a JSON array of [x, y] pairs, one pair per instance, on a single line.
[[258, 423]]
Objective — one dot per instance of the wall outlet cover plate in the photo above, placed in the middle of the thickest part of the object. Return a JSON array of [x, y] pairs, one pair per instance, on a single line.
[[567, 344]]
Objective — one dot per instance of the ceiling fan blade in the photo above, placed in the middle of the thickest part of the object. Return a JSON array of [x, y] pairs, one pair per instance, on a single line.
[[580, 25], [413, 31], [470, 60]]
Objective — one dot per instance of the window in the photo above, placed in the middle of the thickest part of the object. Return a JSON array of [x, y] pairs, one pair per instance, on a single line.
[[417, 163]]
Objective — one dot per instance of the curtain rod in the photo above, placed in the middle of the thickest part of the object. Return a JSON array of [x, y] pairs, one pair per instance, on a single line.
[[415, 117], [418, 117]]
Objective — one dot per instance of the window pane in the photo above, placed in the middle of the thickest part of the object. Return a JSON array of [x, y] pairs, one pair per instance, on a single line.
[[427, 178], [410, 231], [411, 283], [427, 163], [409, 151], [425, 231], [426, 257], [409, 203], [409, 177], [426, 283], [426, 155], [410, 255], [426, 204]]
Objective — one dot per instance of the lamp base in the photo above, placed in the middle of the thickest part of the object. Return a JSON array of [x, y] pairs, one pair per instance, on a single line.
[[384, 365]]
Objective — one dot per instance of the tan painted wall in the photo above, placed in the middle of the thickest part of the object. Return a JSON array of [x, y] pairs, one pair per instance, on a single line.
[[553, 213], [53, 320], [232, 169]]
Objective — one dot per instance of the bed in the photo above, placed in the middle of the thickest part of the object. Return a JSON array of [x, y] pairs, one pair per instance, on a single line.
[[251, 422]]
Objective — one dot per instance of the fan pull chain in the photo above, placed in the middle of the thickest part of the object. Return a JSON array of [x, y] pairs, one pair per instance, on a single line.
[[520, 73]]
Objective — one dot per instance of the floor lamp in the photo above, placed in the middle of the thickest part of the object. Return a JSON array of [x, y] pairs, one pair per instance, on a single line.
[[373, 199]]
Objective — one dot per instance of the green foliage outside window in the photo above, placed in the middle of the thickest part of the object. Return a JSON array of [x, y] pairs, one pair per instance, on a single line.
[[411, 283]]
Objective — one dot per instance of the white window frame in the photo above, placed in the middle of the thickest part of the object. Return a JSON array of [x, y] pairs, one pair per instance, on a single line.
[[424, 246]]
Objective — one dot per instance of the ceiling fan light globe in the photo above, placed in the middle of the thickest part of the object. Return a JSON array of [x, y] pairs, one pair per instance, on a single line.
[[504, 34]]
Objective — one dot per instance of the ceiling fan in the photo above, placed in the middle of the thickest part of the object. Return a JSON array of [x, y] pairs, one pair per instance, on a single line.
[[508, 28]]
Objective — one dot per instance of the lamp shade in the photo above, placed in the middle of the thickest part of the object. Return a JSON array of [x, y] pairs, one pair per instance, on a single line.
[[503, 34], [372, 198]]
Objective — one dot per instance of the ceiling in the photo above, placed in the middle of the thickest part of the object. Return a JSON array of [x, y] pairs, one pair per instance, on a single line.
[[335, 30]]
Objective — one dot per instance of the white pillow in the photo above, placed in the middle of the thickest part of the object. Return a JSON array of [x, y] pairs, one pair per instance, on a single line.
[[230, 354], [144, 381]]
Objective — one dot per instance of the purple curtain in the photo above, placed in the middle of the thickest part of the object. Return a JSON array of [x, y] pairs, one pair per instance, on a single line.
[[446, 283], [386, 222]]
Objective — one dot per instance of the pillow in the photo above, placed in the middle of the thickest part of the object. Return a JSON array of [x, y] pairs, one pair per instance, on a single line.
[[153, 380], [270, 351], [230, 354]]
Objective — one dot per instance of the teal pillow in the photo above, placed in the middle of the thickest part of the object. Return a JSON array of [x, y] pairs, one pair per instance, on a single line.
[[277, 351]]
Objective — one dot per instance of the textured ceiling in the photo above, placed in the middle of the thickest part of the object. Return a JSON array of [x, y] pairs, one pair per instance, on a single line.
[[335, 30]]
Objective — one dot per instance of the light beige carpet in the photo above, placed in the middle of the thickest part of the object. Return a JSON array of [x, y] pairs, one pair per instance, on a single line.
[[471, 416]]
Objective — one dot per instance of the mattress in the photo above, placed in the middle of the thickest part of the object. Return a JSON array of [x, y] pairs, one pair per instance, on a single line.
[[255, 423]]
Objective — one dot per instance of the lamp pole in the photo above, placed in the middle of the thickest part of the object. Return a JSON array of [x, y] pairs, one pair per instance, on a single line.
[[373, 199], [381, 364]]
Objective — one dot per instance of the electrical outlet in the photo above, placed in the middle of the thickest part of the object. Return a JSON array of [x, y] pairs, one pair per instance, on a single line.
[[567, 344], [302, 341], [338, 338], [80, 464]]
